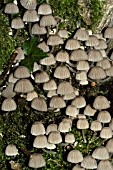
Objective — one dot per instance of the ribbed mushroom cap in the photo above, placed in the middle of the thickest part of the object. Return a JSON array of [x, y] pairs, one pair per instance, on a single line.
[[8, 105], [37, 128], [64, 126], [72, 44], [102, 45], [77, 167], [81, 75], [89, 111], [96, 125], [54, 137], [69, 96], [65, 88], [11, 8], [50, 128], [109, 71], [8, 91], [97, 73], [67, 119], [105, 63], [100, 153], [40, 141], [39, 104], [28, 4], [104, 116], [17, 23], [41, 77], [30, 16], [11, 150], [94, 55], [83, 65], [48, 20], [36, 161], [54, 40], [44, 9], [12, 79], [111, 124], [92, 41], [50, 146], [50, 85], [62, 72], [57, 102], [78, 55], [89, 162], [82, 124], [62, 56], [74, 156], [51, 93], [109, 145], [69, 138], [81, 116], [20, 56], [83, 82], [23, 86], [79, 102], [63, 33], [81, 34], [106, 133], [31, 95], [101, 102], [43, 46], [72, 111], [36, 67], [21, 72], [38, 30], [105, 165], [108, 33], [50, 60]]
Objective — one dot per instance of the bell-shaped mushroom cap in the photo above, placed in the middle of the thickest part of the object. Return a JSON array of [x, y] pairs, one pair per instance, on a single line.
[[77, 167], [74, 156], [82, 124], [105, 165], [65, 88], [20, 56], [63, 33], [100, 153], [105, 64], [62, 72], [109, 71], [44, 9], [23, 86], [104, 116], [38, 30], [50, 85], [30, 16], [81, 75], [109, 145], [41, 77], [102, 45], [54, 137], [8, 105], [39, 104], [50, 60], [72, 111], [11, 8], [36, 161], [81, 116], [69, 138], [72, 44], [89, 162], [78, 55], [97, 73], [31, 95], [83, 65], [50, 128], [108, 33], [64, 126], [83, 82], [50, 146], [54, 40], [62, 56], [36, 67], [51, 93], [12, 79], [92, 41], [111, 124], [57, 102], [94, 55], [69, 96], [81, 34], [79, 102], [37, 128], [11, 150], [101, 102], [43, 46], [48, 20], [40, 141], [28, 4], [96, 125], [17, 23], [106, 133], [89, 111], [8, 91], [21, 72]]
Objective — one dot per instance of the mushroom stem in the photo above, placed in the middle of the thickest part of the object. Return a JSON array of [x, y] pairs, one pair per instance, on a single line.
[[84, 137], [52, 50], [30, 29], [17, 31]]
